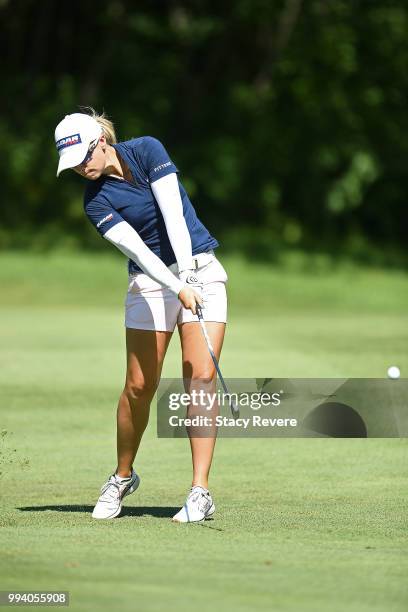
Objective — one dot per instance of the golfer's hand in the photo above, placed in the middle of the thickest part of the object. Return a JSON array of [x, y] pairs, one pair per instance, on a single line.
[[189, 298]]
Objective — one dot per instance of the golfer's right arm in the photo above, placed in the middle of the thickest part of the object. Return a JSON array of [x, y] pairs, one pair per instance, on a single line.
[[111, 225], [127, 240]]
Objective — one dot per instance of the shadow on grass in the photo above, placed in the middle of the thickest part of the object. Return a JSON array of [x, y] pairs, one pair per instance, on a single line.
[[206, 525], [157, 511]]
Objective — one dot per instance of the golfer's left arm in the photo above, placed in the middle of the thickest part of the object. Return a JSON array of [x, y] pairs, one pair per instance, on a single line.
[[167, 194]]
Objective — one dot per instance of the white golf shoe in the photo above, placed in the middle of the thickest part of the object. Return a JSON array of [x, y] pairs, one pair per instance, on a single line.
[[113, 491], [199, 506]]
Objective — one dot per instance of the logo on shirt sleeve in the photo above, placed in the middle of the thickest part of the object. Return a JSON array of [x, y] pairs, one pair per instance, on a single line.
[[107, 218], [68, 141], [162, 166]]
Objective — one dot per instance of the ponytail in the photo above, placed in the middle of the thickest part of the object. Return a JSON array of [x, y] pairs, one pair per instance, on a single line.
[[107, 126]]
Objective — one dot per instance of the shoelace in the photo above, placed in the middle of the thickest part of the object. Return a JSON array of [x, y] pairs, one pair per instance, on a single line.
[[110, 491], [197, 497]]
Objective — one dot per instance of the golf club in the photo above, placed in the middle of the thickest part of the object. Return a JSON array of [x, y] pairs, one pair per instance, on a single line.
[[233, 406]]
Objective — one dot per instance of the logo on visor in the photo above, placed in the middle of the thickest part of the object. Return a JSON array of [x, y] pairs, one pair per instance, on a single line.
[[107, 218], [68, 141]]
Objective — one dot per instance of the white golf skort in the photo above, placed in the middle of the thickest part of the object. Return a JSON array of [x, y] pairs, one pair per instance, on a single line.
[[150, 306]]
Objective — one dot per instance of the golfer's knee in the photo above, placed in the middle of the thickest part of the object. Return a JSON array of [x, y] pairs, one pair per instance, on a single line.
[[139, 389], [203, 376]]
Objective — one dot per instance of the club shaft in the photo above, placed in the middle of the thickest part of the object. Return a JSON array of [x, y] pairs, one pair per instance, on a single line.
[[215, 361]]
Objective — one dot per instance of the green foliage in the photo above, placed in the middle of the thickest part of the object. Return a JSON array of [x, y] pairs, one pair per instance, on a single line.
[[289, 116]]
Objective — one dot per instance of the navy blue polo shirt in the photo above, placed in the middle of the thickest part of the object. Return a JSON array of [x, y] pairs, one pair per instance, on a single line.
[[109, 201]]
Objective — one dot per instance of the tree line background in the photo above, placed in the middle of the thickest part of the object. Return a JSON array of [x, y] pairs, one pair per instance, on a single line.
[[288, 118]]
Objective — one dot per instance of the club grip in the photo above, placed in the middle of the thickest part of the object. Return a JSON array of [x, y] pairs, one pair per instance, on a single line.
[[199, 311]]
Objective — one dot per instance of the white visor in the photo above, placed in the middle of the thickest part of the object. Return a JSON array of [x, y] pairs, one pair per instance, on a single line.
[[73, 135]]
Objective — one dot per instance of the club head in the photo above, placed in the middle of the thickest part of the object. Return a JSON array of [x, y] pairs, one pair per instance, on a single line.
[[234, 410]]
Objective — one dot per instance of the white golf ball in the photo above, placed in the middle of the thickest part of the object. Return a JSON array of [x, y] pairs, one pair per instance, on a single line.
[[393, 372]]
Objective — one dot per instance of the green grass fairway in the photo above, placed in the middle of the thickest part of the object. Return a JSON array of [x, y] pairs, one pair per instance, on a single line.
[[301, 524]]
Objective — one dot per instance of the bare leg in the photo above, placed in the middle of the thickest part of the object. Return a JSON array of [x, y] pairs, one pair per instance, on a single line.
[[197, 364], [145, 355]]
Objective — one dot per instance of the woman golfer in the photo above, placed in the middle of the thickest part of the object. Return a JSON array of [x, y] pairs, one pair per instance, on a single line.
[[134, 199]]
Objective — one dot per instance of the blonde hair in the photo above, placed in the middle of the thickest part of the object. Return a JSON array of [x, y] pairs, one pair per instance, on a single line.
[[105, 123]]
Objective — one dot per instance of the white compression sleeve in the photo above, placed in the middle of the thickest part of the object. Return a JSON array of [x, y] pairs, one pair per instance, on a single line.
[[167, 193], [130, 243]]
